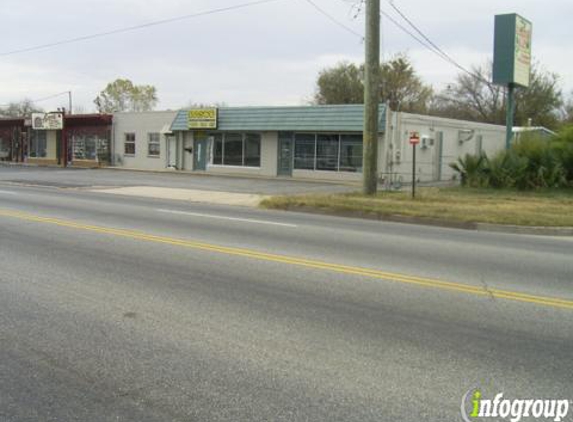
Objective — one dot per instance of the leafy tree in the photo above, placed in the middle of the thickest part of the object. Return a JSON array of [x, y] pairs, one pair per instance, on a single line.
[[23, 108], [474, 98], [400, 86], [341, 84], [123, 95], [567, 114]]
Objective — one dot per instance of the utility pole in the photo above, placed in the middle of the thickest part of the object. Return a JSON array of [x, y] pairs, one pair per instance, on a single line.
[[70, 102], [371, 97]]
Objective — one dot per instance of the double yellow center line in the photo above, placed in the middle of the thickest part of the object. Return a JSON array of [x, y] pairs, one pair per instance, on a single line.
[[301, 262]]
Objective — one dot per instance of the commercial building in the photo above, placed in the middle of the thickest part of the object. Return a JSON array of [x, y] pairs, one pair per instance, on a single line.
[[55, 139], [144, 140], [88, 139], [12, 137], [305, 142]]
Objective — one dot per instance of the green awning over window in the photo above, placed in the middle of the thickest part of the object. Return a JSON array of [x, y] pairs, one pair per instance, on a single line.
[[324, 118]]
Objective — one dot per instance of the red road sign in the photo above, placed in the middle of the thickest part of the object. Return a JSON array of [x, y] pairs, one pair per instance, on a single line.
[[414, 138]]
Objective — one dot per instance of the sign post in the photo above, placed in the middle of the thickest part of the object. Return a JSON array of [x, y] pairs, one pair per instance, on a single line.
[[414, 140], [511, 60]]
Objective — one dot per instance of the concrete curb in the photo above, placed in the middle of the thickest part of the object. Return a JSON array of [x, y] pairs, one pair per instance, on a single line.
[[11, 164], [184, 173], [237, 176], [436, 222], [534, 230]]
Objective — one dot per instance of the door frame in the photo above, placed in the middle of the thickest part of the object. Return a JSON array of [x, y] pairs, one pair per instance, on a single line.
[[200, 147], [282, 139], [171, 142]]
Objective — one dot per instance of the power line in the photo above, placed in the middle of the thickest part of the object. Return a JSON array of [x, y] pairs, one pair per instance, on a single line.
[[134, 28], [39, 100], [50, 97], [425, 41], [333, 19], [404, 29], [432, 46]]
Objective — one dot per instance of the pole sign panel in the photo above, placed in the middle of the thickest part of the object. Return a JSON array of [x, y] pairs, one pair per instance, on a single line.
[[414, 138], [512, 50], [47, 121], [203, 118]]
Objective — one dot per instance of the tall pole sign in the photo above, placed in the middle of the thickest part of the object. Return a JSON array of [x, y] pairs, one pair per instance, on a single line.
[[511, 60]]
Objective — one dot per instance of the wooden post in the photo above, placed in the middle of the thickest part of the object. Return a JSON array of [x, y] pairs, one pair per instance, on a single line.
[[371, 97]]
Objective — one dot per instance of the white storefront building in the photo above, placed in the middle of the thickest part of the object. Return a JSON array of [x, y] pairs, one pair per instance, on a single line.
[[306, 142]]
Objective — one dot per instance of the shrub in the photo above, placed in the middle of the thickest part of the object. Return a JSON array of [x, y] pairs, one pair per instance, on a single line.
[[471, 169], [562, 145], [544, 168], [505, 170], [531, 163]]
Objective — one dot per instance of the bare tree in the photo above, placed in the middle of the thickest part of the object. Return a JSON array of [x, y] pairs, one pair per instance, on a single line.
[[22, 108], [193, 104], [472, 97]]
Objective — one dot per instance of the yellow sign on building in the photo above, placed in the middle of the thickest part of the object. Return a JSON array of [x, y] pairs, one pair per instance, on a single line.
[[203, 118]]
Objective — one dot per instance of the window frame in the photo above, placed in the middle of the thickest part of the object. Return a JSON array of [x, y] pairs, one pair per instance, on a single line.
[[339, 136], [34, 143], [127, 142], [150, 142], [314, 135], [221, 137]]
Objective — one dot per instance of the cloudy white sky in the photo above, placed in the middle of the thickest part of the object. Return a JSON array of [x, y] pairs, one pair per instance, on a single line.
[[268, 54]]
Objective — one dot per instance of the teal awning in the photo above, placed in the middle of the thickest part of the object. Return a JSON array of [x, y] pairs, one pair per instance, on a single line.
[[323, 118]]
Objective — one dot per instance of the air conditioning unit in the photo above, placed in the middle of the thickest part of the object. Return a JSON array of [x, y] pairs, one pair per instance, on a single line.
[[426, 142]]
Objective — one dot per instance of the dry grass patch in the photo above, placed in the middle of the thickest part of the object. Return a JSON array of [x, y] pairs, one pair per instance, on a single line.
[[543, 208]]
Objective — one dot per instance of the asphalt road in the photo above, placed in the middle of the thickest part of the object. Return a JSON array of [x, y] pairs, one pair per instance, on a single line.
[[83, 178], [126, 309]]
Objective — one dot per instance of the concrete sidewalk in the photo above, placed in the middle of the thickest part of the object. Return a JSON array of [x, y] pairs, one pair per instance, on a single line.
[[191, 195]]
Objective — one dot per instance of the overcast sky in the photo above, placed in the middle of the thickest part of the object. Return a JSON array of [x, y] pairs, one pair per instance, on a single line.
[[268, 54]]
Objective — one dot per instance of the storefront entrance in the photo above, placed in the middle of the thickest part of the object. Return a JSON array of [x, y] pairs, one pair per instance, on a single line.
[[171, 151], [200, 155], [285, 158]]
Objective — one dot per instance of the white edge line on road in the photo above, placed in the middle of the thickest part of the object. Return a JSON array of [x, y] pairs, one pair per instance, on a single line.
[[7, 192], [219, 217]]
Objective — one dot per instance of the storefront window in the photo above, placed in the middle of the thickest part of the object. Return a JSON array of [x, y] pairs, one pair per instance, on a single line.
[[233, 150], [304, 151], [38, 144], [218, 149], [327, 152], [252, 150], [351, 153], [237, 149], [84, 147], [4, 148]]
